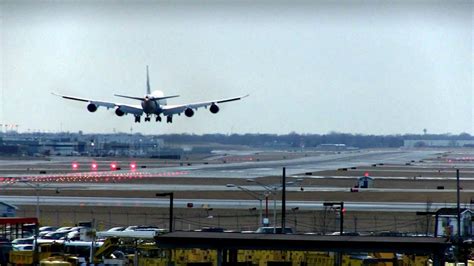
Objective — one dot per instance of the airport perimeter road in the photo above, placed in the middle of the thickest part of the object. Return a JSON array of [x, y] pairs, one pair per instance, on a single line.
[[216, 203], [297, 166], [185, 188]]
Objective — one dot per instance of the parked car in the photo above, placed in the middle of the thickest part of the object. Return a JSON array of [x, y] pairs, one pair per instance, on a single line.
[[23, 247], [48, 228], [116, 229], [272, 230], [64, 228], [21, 241], [57, 235], [141, 228], [73, 236]]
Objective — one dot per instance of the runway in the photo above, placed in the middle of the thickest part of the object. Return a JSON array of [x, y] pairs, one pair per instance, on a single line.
[[302, 165], [248, 169]]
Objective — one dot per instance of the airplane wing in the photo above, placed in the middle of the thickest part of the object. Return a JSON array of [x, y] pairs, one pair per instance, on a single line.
[[125, 108], [178, 109]]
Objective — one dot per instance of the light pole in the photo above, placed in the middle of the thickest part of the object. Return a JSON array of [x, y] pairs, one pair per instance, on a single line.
[[269, 191], [338, 260], [294, 210], [170, 194], [272, 189], [341, 213], [255, 196], [37, 187]]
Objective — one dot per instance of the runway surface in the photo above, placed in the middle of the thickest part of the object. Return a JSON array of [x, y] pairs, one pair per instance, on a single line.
[[248, 169], [302, 165]]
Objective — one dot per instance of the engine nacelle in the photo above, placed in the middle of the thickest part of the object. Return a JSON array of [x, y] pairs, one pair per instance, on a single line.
[[214, 108], [91, 107], [189, 112], [119, 112]]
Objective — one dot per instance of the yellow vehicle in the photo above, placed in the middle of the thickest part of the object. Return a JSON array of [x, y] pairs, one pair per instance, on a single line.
[[27, 257]]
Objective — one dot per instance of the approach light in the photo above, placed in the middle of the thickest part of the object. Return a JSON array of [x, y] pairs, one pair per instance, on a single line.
[[94, 166], [75, 166], [133, 166], [113, 166]]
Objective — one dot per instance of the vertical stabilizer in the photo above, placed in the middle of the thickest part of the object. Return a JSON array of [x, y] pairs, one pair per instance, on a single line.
[[147, 82]]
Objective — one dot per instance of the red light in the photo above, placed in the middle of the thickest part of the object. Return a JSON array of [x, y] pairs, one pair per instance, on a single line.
[[366, 174], [75, 166], [113, 166], [133, 166], [343, 210], [94, 166]]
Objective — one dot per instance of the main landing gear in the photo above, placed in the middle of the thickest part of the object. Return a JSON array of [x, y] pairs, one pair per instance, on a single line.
[[169, 119]]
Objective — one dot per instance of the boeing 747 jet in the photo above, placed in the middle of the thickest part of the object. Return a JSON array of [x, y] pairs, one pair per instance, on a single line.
[[154, 103]]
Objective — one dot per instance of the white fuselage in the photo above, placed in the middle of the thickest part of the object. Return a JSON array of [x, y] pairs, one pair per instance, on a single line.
[[151, 106]]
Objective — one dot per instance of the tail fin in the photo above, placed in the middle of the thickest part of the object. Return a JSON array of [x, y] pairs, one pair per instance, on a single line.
[[147, 82]]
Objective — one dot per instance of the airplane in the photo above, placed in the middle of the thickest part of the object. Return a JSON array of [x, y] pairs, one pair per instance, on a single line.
[[154, 103]]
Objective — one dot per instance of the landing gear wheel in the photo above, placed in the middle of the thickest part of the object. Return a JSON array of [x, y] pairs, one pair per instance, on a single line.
[[137, 119], [158, 118], [169, 119], [147, 119]]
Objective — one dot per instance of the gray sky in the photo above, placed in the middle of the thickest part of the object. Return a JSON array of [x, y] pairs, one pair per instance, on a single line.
[[371, 67]]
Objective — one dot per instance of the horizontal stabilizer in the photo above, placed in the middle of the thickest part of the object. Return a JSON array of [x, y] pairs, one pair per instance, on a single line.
[[166, 97], [130, 97], [143, 98]]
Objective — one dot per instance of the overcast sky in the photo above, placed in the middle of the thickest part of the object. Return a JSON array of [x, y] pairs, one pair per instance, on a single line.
[[370, 67]]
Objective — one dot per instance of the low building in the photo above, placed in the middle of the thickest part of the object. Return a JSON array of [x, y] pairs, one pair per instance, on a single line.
[[446, 222]]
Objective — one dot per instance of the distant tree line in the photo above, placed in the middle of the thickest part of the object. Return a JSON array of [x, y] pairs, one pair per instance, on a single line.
[[310, 140], [293, 140]]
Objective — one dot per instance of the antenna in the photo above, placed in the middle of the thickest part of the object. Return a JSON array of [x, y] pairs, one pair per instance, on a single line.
[[147, 81]]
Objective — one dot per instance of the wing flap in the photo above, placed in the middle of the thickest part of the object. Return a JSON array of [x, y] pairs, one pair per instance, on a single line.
[[104, 104]]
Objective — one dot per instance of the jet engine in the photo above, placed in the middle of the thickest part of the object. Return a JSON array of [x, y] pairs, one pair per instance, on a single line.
[[189, 112], [119, 112], [214, 108], [92, 107]]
